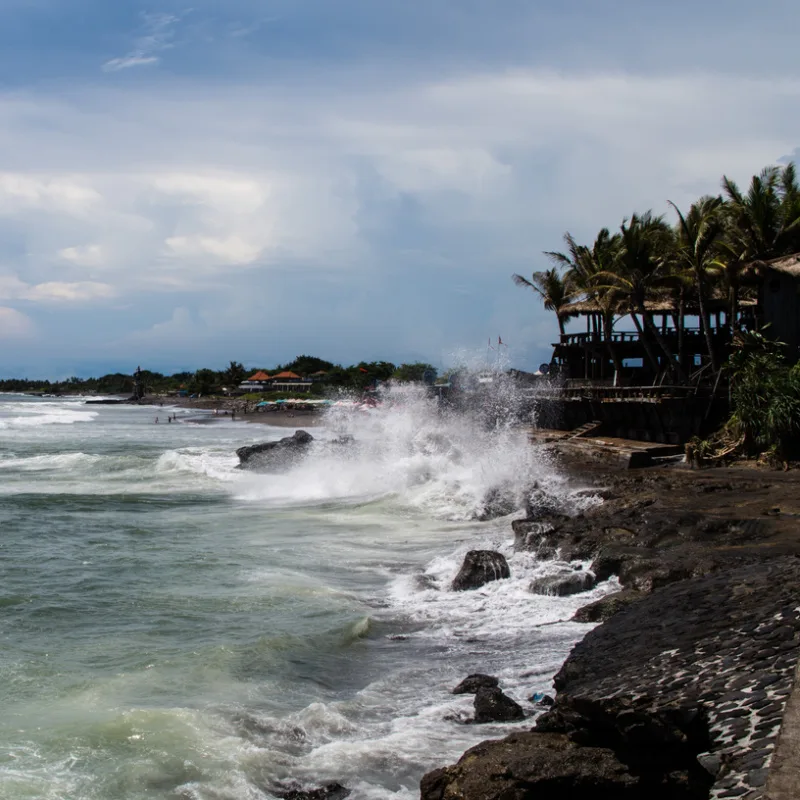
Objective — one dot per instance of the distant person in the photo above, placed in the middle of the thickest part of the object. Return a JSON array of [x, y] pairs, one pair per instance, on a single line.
[[233, 414], [156, 420]]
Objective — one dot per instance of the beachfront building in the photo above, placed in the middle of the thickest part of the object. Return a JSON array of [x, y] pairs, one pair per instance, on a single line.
[[257, 382], [779, 301], [289, 382]]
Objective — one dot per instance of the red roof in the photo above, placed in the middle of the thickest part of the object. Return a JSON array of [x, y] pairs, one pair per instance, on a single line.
[[286, 375], [259, 376]]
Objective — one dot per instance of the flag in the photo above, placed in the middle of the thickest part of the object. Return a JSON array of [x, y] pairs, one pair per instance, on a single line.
[[500, 342], [361, 369]]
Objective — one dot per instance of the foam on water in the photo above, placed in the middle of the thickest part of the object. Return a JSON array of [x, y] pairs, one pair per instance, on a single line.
[[305, 630]]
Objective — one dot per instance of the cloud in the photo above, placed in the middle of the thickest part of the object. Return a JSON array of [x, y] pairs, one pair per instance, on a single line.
[[12, 288], [14, 324], [158, 34], [90, 255]]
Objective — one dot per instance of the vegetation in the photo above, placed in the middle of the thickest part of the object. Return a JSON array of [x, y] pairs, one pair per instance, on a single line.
[[650, 264], [208, 382]]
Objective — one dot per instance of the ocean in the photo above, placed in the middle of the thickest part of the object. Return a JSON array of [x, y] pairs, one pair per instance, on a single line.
[[173, 627]]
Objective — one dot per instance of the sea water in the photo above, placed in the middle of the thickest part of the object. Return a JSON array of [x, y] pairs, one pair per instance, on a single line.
[[174, 627]]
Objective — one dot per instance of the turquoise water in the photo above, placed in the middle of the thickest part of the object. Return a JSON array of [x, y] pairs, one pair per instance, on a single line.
[[172, 627]]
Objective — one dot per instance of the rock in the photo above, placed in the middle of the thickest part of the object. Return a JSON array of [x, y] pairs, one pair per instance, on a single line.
[[472, 683], [526, 765], [563, 585], [606, 607], [480, 567], [269, 455], [331, 791], [491, 705]]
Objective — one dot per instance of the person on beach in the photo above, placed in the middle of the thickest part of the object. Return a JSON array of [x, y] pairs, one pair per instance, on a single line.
[[156, 420]]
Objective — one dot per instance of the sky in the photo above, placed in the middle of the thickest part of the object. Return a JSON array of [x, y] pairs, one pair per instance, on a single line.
[[185, 184]]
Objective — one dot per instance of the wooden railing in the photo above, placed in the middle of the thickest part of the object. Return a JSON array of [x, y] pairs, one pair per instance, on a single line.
[[624, 337]]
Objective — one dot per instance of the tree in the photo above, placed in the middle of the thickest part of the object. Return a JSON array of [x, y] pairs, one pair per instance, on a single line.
[[698, 236], [413, 372], [641, 272], [583, 264], [556, 292], [235, 374], [204, 381]]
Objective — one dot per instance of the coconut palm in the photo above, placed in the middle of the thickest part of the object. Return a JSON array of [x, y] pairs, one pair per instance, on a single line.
[[698, 235], [762, 224], [555, 290], [641, 273], [583, 264]]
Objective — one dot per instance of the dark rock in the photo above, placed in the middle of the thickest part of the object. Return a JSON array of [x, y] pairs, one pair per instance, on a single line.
[[480, 567], [606, 607], [527, 765], [472, 683], [563, 585], [491, 705], [331, 791], [271, 455]]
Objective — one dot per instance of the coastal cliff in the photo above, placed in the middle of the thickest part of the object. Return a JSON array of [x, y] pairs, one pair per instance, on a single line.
[[681, 692]]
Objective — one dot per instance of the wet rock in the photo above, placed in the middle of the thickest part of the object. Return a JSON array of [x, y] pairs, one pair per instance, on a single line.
[[331, 791], [491, 705], [606, 607], [477, 680], [271, 455], [480, 567], [526, 765], [563, 585], [542, 700]]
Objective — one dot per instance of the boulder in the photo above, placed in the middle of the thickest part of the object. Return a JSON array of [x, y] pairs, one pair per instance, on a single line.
[[526, 765], [480, 567], [564, 585], [606, 607], [491, 705], [331, 791], [472, 683], [271, 455]]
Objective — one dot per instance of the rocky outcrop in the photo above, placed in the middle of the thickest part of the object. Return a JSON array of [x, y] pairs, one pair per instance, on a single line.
[[477, 680], [528, 765], [680, 697], [565, 584], [275, 455], [493, 705], [332, 791], [606, 607], [480, 567]]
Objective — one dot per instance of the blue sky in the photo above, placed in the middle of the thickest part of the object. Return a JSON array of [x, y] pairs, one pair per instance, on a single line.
[[186, 184]]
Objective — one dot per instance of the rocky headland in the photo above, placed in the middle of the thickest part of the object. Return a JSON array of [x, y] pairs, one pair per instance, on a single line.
[[681, 691]]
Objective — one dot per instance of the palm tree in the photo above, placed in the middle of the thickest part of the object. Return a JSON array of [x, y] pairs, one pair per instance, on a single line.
[[698, 235], [556, 292], [583, 264], [762, 224], [641, 273]]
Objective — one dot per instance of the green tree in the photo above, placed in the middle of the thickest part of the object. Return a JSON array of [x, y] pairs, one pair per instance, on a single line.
[[412, 372], [555, 290], [698, 235], [204, 381], [234, 375]]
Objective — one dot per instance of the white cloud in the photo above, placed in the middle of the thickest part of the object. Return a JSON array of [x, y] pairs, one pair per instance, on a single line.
[[158, 33], [56, 193], [12, 288], [14, 324], [231, 250], [90, 255]]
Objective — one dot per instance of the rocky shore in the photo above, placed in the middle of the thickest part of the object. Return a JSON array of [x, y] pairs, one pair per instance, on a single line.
[[681, 691]]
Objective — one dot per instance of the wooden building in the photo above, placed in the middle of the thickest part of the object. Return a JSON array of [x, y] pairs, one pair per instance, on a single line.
[[779, 301]]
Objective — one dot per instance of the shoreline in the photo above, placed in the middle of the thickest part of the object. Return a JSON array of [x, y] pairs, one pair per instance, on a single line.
[[682, 687]]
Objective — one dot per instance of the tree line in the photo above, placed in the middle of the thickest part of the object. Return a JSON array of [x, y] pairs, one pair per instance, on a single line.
[[708, 253], [208, 381]]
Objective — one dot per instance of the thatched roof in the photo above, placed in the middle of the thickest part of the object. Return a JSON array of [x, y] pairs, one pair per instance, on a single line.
[[789, 265], [665, 305]]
